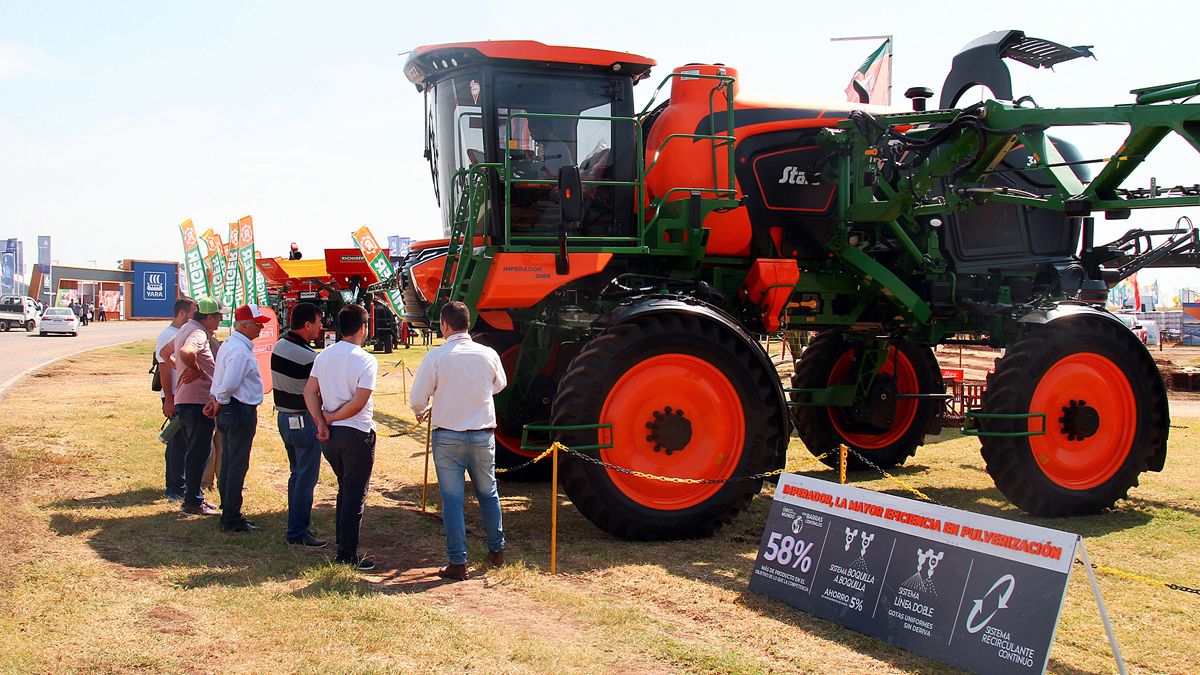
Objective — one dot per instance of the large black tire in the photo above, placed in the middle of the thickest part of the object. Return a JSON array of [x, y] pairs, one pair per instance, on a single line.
[[1099, 365], [30, 325], [823, 429], [509, 425], [736, 425]]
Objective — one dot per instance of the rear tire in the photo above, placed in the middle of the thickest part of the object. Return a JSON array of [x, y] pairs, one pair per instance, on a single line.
[[1090, 376], [509, 426], [827, 361], [674, 382]]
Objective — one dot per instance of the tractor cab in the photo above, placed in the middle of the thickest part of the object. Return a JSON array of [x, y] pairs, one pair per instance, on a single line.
[[502, 118]]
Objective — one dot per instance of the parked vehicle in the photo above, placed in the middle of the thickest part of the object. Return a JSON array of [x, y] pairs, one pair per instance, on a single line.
[[59, 320], [17, 311]]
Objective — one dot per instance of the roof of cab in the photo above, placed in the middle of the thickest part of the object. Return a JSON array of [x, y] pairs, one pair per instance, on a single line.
[[430, 60]]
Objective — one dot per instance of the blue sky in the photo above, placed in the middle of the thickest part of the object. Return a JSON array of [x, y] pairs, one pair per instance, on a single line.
[[118, 120]]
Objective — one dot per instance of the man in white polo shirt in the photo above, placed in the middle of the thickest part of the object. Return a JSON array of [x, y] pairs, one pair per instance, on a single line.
[[338, 396], [462, 376], [235, 394]]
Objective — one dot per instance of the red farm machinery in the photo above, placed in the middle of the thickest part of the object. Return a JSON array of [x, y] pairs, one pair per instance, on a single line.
[[624, 262]]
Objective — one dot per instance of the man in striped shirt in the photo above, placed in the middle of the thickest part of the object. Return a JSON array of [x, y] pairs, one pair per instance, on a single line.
[[291, 364]]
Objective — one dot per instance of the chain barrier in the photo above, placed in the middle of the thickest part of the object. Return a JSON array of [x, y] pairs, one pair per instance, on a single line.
[[666, 479], [1111, 571], [1149, 581], [537, 459], [895, 479]]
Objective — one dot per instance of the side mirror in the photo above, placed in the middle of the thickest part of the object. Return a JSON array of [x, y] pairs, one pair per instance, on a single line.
[[570, 194], [570, 206]]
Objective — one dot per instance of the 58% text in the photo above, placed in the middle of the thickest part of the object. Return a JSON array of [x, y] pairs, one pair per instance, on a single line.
[[788, 550]]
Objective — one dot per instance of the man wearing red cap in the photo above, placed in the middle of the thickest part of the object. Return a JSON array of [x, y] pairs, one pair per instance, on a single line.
[[237, 391]]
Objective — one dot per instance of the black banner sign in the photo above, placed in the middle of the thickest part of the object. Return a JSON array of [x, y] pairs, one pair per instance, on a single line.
[[974, 591]]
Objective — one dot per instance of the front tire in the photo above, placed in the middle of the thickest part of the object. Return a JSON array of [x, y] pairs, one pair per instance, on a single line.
[[687, 398], [30, 325], [910, 368], [1106, 417]]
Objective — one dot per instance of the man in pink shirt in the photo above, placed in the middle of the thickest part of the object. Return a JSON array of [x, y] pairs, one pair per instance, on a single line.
[[195, 363]]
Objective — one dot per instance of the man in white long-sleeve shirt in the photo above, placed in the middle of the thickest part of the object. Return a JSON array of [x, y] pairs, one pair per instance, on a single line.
[[237, 391], [462, 376]]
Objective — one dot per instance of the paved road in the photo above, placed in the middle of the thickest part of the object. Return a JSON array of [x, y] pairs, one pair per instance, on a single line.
[[22, 353]]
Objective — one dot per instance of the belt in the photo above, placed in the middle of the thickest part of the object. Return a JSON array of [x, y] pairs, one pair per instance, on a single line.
[[234, 400], [465, 431]]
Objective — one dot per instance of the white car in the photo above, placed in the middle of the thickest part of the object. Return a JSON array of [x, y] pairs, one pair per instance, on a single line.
[[59, 320]]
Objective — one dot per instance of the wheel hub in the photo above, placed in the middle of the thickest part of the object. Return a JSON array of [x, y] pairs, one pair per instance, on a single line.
[[879, 410], [669, 431], [1079, 420]]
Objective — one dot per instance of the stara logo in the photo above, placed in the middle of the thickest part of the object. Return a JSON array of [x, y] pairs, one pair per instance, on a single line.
[[189, 237], [369, 245], [247, 233]]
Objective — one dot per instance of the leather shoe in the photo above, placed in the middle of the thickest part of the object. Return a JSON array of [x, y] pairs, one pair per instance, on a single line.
[[240, 526], [496, 558], [309, 541], [454, 572], [201, 509]]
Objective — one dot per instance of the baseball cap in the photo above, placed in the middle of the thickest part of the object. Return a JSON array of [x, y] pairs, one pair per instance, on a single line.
[[207, 306], [250, 313]]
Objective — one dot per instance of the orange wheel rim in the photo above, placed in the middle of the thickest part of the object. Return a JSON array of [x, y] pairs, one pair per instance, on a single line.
[[718, 429], [1077, 380], [904, 377]]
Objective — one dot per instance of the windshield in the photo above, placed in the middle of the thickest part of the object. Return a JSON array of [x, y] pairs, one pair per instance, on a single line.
[[456, 133], [59, 312], [541, 145]]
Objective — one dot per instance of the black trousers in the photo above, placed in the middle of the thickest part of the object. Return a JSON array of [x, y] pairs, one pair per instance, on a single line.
[[199, 433], [351, 455], [237, 423]]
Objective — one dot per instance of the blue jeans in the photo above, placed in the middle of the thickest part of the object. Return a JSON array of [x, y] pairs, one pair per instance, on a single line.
[[472, 452], [304, 460]]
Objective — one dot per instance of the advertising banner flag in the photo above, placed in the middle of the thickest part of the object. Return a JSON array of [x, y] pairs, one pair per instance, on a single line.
[[380, 264], [229, 294], [246, 261], [261, 282], [216, 259], [193, 261], [8, 266], [44, 254], [872, 82], [398, 246]]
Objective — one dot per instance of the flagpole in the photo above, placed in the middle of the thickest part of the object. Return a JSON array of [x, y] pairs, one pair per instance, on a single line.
[[891, 40]]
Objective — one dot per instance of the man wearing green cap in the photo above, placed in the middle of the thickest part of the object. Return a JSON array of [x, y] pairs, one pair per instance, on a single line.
[[195, 362]]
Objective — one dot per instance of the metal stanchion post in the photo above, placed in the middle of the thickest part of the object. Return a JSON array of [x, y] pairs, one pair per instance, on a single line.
[[842, 463], [404, 382], [428, 437], [554, 509]]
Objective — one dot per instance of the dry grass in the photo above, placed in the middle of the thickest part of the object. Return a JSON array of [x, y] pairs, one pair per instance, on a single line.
[[100, 574]]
